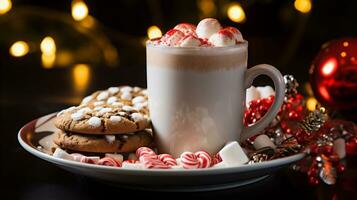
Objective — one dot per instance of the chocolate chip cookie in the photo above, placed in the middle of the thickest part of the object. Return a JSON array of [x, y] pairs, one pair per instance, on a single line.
[[103, 143], [117, 110]]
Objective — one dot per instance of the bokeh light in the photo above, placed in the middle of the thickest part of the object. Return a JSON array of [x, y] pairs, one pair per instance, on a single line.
[[79, 10], [48, 60], [5, 6], [48, 45], [19, 48], [236, 13], [207, 8], [329, 67], [154, 32], [311, 103], [303, 6], [81, 76]]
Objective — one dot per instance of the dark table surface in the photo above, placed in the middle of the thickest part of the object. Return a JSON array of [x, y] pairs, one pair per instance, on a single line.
[[28, 93]]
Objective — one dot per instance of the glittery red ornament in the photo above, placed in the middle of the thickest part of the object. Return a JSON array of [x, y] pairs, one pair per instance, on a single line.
[[333, 74], [351, 146]]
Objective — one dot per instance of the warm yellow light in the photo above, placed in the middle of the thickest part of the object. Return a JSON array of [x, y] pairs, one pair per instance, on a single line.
[[207, 7], [48, 60], [303, 6], [343, 54], [48, 46], [236, 13], [5, 6], [345, 44], [311, 103], [79, 10], [81, 75], [154, 32], [19, 48]]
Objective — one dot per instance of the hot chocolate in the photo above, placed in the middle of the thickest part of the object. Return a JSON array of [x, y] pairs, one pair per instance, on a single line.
[[197, 78]]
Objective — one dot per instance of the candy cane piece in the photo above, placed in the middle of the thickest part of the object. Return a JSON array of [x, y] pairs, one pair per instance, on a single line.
[[144, 151], [167, 159], [89, 160], [108, 161], [204, 159], [151, 162], [189, 160]]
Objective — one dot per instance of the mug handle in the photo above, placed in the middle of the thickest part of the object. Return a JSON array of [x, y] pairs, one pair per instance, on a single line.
[[279, 85]]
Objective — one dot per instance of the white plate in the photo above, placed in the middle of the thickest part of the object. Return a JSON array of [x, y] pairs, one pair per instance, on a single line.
[[154, 179]]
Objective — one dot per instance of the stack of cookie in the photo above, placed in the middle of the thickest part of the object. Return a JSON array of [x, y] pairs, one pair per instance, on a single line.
[[109, 121]]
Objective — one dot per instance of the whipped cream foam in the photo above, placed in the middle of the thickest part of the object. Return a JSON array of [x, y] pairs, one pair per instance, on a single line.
[[208, 33]]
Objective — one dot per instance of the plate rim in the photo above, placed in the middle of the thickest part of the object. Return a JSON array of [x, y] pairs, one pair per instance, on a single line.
[[157, 172]]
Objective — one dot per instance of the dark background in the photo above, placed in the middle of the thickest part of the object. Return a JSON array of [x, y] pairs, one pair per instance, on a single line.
[[113, 51]]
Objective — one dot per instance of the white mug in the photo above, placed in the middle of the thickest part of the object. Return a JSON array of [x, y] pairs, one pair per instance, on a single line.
[[197, 96]]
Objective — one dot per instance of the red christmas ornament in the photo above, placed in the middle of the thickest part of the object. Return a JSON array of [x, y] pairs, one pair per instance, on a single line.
[[351, 146], [333, 74]]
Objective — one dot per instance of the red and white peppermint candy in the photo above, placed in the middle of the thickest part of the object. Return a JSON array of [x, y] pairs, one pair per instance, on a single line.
[[144, 151], [89, 160], [216, 159], [172, 37], [167, 159], [189, 160], [108, 161], [204, 159], [186, 28], [151, 162]]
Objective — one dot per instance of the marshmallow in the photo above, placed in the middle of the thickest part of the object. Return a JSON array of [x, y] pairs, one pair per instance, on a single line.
[[126, 89], [110, 138], [207, 27], [263, 141], [137, 117], [77, 116], [103, 95], [138, 99], [98, 108], [186, 28], [117, 157], [77, 156], [339, 146], [59, 153], [117, 104], [111, 100], [115, 119], [126, 96], [190, 41], [84, 110], [251, 94], [172, 37], [232, 154], [223, 38], [95, 122], [127, 108], [87, 99], [102, 111], [236, 33], [98, 103], [265, 91], [139, 106], [113, 90]]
